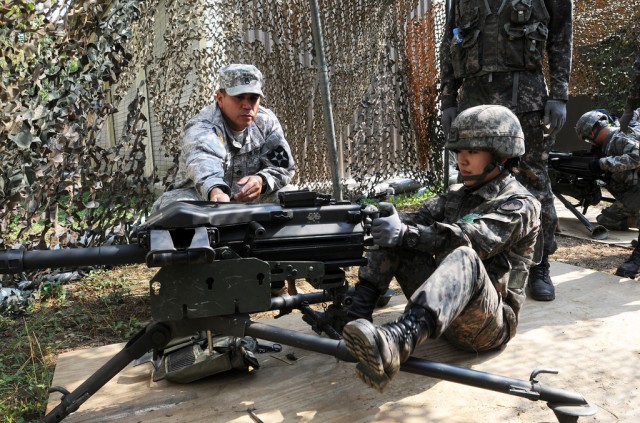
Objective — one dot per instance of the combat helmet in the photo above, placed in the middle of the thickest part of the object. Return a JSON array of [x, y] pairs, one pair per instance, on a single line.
[[588, 121], [490, 128]]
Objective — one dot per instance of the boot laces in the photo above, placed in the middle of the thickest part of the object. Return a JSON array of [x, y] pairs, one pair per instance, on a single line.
[[540, 271], [403, 331]]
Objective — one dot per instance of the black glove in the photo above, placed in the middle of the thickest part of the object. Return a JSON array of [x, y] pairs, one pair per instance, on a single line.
[[594, 167], [448, 115]]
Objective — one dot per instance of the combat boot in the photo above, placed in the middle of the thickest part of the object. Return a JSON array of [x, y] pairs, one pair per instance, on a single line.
[[631, 267], [359, 306], [380, 350], [611, 223], [540, 286]]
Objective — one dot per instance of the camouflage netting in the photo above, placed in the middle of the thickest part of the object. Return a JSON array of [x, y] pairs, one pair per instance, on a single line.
[[67, 65], [606, 37], [370, 80]]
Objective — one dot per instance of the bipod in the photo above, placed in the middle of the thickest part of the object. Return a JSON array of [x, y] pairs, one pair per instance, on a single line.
[[154, 336]]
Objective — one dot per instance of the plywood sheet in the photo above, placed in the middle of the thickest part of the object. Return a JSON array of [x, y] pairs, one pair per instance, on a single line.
[[589, 334]]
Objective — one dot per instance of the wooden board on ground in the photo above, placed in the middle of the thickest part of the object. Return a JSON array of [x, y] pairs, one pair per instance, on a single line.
[[589, 334]]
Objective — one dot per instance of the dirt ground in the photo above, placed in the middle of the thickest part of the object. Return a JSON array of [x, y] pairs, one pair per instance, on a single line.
[[590, 254]]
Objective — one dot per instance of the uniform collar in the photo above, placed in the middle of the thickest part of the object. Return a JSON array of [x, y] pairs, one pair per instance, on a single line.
[[490, 189]]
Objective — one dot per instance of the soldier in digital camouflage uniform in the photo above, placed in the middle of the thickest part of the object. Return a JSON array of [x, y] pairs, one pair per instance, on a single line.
[[633, 99], [498, 59], [620, 167], [234, 149], [462, 260]]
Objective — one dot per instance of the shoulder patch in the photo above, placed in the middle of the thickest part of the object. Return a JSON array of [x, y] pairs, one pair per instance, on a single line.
[[511, 205], [470, 217]]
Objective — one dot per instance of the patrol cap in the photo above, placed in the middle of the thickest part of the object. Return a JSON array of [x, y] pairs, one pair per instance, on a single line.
[[490, 128], [236, 79]]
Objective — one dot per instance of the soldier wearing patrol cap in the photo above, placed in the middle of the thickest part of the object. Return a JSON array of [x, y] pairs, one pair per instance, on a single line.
[[234, 149], [462, 259]]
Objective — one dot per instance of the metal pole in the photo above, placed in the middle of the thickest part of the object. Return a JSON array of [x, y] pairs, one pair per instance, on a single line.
[[323, 73]]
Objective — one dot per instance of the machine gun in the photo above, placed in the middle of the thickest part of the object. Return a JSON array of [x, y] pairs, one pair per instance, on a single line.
[[217, 263], [570, 175]]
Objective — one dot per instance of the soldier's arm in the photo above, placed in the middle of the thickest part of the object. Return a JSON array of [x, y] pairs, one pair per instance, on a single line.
[[450, 85], [629, 158], [559, 44], [488, 234], [278, 165], [633, 99], [204, 152]]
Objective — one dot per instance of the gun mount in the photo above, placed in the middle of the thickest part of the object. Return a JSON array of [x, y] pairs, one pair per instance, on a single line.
[[217, 265]]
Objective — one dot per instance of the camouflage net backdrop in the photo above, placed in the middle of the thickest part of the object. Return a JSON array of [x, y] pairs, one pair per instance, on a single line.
[[606, 37], [67, 65], [381, 124]]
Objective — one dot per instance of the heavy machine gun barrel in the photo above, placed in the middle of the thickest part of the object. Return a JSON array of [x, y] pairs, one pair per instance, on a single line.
[[15, 261]]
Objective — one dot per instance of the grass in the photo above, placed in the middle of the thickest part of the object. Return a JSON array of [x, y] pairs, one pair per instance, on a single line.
[[105, 307]]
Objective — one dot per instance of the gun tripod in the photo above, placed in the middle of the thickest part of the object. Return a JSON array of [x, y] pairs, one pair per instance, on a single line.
[[567, 406]]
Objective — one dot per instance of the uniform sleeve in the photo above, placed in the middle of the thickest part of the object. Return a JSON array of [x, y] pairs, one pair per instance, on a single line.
[[633, 99], [488, 234], [558, 47], [450, 84], [204, 152], [278, 165], [627, 156]]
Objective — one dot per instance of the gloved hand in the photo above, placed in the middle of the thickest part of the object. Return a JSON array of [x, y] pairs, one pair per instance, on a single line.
[[387, 231], [555, 115], [594, 167], [625, 119], [448, 115]]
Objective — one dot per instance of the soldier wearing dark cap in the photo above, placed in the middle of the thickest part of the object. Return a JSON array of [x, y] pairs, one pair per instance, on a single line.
[[492, 53], [462, 260], [234, 149]]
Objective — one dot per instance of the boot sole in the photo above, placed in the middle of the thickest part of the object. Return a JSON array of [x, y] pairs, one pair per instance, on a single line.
[[543, 297], [627, 275], [361, 343]]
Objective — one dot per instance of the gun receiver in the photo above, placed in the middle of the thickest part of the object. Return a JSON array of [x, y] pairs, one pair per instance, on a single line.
[[571, 175], [201, 232]]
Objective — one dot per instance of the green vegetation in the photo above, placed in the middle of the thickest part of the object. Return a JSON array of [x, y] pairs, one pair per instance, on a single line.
[[104, 307], [402, 202]]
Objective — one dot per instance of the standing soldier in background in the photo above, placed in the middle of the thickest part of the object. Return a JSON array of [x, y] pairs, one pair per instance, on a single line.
[[633, 99], [492, 53]]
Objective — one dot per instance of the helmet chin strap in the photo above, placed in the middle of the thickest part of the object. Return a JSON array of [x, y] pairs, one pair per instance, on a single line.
[[487, 170]]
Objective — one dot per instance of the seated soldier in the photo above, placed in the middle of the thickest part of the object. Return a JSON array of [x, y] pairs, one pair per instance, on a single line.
[[621, 163], [234, 149], [462, 260]]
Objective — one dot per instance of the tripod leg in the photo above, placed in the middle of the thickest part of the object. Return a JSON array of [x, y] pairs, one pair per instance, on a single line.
[[153, 336]]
